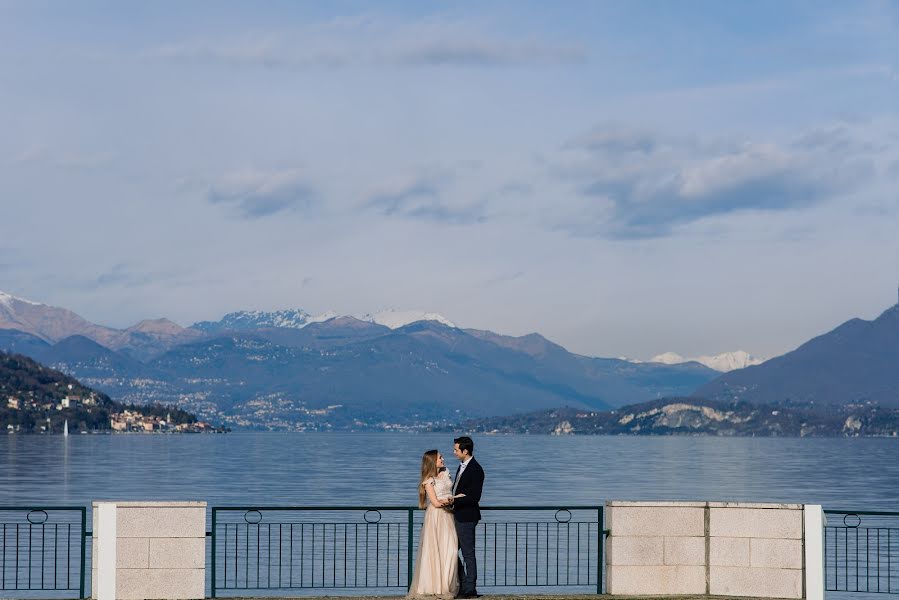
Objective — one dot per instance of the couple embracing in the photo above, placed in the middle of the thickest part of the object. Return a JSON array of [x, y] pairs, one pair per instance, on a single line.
[[449, 526]]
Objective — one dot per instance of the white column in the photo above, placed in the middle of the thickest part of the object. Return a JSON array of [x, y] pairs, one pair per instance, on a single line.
[[106, 551], [814, 551]]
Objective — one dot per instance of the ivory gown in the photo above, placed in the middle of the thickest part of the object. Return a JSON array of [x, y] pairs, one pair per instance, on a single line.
[[437, 560]]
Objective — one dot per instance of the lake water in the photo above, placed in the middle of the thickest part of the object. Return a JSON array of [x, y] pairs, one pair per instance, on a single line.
[[382, 468]]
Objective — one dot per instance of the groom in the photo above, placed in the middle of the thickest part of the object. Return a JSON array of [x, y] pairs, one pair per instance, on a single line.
[[469, 481]]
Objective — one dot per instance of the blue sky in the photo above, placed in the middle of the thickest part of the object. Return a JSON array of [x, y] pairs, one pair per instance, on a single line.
[[626, 178]]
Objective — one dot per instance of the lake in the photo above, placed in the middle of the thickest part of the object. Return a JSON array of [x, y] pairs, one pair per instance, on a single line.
[[382, 468]]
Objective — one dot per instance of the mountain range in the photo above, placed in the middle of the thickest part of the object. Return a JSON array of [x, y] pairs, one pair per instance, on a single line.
[[292, 370], [724, 362], [856, 362]]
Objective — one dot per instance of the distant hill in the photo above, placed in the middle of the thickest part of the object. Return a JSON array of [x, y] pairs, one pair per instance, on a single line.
[[19, 342], [698, 416], [36, 398], [856, 362]]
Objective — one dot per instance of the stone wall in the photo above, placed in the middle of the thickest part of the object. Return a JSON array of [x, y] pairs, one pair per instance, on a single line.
[[146, 550], [705, 548]]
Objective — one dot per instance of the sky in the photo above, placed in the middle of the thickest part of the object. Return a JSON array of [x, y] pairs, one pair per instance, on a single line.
[[626, 178]]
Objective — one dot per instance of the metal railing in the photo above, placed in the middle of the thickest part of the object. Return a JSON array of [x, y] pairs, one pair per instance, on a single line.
[[859, 547], [354, 547], [43, 548]]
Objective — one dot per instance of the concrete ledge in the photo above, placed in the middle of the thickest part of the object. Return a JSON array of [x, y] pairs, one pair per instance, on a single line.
[[156, 503], [700, 504], [733, 549]]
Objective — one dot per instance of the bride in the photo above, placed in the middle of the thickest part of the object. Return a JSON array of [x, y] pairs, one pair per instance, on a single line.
[[436, 563]]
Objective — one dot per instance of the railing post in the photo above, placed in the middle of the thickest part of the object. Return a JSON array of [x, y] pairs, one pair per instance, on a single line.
[[212, 558], [600, 526], [409, 551], [83, 548]]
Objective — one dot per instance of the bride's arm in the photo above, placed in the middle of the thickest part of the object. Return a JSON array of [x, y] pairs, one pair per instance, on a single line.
[[432, 495]]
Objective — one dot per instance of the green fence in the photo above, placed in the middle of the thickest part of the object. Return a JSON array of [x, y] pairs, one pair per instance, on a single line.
[[255, 548], [859, 547], [43, 550]]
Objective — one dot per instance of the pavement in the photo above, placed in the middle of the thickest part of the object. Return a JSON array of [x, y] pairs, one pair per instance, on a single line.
[[515, 597]]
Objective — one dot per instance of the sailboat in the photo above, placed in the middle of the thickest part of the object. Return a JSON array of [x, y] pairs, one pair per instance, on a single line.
[[65, 428]]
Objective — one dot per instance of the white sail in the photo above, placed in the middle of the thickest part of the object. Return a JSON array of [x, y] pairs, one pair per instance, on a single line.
[[65, 428]]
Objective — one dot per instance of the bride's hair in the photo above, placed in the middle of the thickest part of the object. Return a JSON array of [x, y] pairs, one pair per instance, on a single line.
[[428, 470]]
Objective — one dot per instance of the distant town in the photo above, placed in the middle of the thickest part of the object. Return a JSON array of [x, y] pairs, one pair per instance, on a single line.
[[37, 399], [126, 421]]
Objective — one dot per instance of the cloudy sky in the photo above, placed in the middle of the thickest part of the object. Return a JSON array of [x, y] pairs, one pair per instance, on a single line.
[[626, 178]]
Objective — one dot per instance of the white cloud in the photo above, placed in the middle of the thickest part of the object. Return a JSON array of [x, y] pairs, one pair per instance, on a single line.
[[255, 193], [372, 42], [637, 184]]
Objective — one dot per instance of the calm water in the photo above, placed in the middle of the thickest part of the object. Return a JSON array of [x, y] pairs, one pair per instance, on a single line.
[[382, 468]]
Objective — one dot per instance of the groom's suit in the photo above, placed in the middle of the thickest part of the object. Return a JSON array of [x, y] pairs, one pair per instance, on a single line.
[[467, 513]]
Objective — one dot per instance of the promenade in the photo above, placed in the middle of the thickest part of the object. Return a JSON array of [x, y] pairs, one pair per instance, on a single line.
[[488, 596]]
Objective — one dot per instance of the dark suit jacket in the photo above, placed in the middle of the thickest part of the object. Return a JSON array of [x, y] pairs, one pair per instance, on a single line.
[[466, 509]]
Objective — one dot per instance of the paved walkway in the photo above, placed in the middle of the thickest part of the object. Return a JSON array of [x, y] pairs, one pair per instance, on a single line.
[[515, 597]]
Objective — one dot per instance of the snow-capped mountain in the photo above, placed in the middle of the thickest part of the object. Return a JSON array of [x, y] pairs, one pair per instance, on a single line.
[[298, 318], [725, 362], [7, 301], [50, 323], [294, 318], [53, 324], [395, 319]]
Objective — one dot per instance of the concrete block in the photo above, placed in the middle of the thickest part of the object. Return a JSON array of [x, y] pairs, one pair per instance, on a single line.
[[652, 503], [666, 521], [173, 584], [761, 583], [661, 580], [755, 523], [755, 505], [684, 551], [634, 550], [161, 522], [133, 553], [777, 554], [729, 552], [173, 553]]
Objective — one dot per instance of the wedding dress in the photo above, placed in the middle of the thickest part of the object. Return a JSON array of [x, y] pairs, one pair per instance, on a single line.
[[436, 563]]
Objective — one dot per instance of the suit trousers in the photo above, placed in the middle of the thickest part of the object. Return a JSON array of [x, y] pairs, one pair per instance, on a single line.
[[468, 567]]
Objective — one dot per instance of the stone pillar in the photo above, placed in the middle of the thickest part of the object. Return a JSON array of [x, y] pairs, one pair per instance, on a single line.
[[815, 521], [149, 550], [710, 548]]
